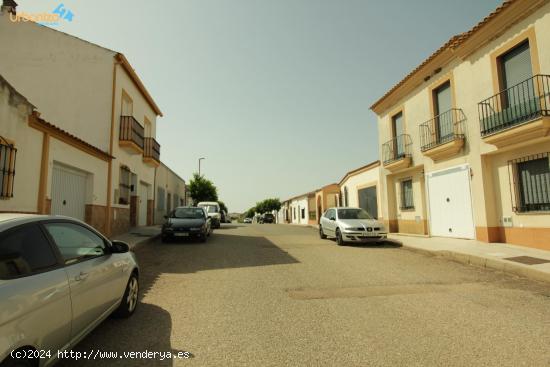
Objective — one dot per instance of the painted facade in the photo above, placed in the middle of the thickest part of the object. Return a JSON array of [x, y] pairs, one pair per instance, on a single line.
[[104, 105], [170, 192], [361, 188], [475, 147]]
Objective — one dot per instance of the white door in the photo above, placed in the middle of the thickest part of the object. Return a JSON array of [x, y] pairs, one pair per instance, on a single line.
[[450, 203], [68, 192], [142, 217]]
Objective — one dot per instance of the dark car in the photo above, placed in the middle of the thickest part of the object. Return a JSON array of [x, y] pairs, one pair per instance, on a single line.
[[184, 222], [267, 218]]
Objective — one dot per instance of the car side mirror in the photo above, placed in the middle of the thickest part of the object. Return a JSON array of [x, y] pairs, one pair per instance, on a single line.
[[165, 217], [332, 218], [119, 247]]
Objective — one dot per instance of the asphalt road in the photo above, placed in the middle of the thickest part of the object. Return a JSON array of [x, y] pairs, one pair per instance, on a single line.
[[277, 295]]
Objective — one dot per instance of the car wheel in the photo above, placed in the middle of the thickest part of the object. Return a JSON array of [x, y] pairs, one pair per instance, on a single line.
[[339, 239], [321, 233], [129, 299], [164, 239]]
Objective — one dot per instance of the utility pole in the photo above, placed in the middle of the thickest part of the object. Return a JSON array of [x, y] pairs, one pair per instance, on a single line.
[[200, 159]]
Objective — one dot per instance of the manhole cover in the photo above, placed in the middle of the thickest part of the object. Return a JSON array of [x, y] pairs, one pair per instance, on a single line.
[[528, 260]]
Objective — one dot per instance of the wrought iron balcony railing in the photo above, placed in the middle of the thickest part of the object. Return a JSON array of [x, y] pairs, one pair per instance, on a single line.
[[151, 149], [442, 129], [396, 148], [520, 103], [131, 131]]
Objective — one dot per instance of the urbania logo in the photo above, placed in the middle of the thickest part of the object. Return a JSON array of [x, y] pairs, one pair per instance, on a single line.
[[58, 14]]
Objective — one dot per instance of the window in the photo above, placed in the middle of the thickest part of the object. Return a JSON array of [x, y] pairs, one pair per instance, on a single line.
[[532, 183], [515, 66], [407, 200], [331, 213], [160, 198], [124, 186], [25, 251], [7, 168], [398, 129], [303, 213], [127, 107], [444, 124], [76, 242]]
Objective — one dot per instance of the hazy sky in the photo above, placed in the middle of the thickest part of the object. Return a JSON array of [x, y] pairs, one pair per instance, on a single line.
[[275, 94]]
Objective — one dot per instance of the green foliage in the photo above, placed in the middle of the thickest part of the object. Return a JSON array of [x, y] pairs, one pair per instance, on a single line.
[[268, 205], [223, 207], [250, 212], [202, 189]]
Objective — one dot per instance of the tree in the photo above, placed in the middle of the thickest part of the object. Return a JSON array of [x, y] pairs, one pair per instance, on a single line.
[[268, 205], [222, 206], [202, 189], [250, 212]]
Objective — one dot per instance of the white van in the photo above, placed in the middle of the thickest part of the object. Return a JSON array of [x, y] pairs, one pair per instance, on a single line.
[[213, 210]]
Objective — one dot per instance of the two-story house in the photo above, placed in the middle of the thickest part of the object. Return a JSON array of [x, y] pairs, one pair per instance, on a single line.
[[465, 137], [94, 95]]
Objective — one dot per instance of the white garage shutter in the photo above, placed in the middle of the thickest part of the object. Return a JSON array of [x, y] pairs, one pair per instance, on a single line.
[[68, 192]]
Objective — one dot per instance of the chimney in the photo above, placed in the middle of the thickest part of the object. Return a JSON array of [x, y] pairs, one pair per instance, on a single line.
[[8, 6]]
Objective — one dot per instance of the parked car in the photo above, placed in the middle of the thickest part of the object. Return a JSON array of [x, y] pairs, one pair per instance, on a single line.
[[247, 220], [214, 212], [267, 218], [59, 279], [351, 225], [186, 221]]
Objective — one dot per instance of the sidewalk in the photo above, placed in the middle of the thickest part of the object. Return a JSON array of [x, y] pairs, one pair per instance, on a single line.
[[522, 261], [139, 236]]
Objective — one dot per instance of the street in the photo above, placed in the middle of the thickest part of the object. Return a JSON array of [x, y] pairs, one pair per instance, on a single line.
[[274, 295]]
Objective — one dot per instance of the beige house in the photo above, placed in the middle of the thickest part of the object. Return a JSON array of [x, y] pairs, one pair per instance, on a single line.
[[170, 192], [465, 137], [360, 188], [93, 95]]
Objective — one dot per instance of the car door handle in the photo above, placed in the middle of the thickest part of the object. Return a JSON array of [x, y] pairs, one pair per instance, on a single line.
[[81, 276]]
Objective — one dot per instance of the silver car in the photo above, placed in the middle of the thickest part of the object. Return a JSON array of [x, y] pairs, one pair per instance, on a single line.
[[59, 278], [351, 225]]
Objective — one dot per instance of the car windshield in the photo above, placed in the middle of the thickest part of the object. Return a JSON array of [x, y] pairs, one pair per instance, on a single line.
[[188, 213], [353, 214], [210, 208]]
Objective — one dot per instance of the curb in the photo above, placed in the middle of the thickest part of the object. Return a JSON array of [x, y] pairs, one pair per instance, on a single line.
[[485, 262]]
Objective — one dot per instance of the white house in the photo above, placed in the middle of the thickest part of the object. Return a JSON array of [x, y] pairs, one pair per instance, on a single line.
[[93, 95]]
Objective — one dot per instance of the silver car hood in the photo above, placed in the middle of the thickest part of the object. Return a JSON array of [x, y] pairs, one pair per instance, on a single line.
[[361, 223]]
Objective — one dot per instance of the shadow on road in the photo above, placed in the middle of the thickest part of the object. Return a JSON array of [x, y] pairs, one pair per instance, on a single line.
[[149, 329], [221, 251], [386, 244]]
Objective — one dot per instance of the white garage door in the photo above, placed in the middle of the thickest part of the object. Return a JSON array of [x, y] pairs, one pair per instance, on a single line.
[[68, 192], [450, 203]]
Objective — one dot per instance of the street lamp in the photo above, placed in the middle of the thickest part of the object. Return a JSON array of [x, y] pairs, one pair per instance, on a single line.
[[200, 159]]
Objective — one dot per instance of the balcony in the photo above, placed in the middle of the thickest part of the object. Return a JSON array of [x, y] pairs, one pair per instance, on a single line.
[[443, 136], [131, 135], [518, 114], [151, 152], [396, 153]]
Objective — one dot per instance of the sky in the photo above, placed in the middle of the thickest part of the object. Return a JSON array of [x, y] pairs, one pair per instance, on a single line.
[[274, 94]]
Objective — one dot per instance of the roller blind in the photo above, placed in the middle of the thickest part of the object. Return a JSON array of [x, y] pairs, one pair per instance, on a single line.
[[516, 65]]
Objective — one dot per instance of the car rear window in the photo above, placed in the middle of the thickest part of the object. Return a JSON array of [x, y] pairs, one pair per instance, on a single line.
[[25, 251]]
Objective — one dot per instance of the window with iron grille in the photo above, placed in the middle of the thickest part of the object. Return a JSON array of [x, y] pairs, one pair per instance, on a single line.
[[407, 199], [7, 168], [531, 183], [161, 197], [124, 186]]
